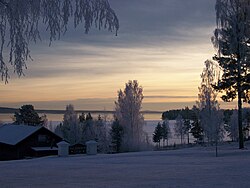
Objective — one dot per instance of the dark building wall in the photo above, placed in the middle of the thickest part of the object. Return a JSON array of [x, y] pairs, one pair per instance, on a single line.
[[41, 138], [8, 152]]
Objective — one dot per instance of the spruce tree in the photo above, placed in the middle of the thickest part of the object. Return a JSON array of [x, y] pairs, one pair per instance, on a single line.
[[28, 116], [116, 134], [157, 136]]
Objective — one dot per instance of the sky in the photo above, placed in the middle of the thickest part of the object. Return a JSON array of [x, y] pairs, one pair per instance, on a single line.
[[162, 43]]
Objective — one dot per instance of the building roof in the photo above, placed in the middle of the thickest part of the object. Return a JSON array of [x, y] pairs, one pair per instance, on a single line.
[[13, 134]]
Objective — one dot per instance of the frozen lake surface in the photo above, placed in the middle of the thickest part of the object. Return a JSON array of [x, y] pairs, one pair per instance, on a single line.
[[189, 168]]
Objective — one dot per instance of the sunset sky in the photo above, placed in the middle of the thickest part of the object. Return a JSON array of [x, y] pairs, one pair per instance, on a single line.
[[161, 43]]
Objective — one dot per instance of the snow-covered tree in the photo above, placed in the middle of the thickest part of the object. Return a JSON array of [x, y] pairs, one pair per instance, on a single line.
[[58, 130], [179, 129], [127, 111], [207, 101], [101, 134], [70, 127], [22, 21], [88, 129], [232, 39]]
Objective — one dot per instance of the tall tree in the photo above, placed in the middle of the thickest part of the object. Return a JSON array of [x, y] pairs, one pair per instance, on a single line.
[[21, 21], [180, 130], [207, 101], [70, 127], [28, 116], [128, 112], [232, 39]]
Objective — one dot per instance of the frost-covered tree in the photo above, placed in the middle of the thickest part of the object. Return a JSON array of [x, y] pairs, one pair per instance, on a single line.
[[179, 129], [101, 134], [232, 39], [207, 101], [127, 111], [88, 129], [22, 21], [70, 126]]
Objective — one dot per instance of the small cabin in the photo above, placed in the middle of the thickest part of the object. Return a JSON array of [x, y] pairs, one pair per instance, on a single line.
[[23, 141]]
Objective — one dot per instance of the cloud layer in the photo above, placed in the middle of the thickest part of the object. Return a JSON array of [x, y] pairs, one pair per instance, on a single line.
[[161, 43]]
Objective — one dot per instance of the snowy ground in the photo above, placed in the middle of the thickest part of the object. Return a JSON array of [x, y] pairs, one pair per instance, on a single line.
[[190, 167]]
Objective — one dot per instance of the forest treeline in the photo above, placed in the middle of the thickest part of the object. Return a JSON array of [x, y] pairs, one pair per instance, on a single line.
[[188, 113]]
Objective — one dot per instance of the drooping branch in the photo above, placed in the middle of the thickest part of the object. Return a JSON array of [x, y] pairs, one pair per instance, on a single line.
[[20, 21]]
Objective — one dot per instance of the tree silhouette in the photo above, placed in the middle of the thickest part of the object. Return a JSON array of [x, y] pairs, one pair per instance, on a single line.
[[232, 39], [22, 21]]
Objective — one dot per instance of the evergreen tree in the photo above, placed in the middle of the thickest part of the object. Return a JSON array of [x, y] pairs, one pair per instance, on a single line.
[[82, 118], [196, 129], [157, 136], [28, 116], [88, 129], [166, 134], [116, 134], [186, 114], [232, 39]]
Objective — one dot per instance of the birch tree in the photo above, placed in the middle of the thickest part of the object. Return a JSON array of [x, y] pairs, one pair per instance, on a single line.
[[180, 130], [21, 22], [128, 112], [232, 40], [207, 101]]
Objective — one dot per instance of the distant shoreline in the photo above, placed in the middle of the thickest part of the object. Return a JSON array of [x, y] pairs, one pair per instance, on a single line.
[[6, 110]]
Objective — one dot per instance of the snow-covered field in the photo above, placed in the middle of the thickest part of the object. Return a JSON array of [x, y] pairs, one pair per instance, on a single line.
[[190, 167]]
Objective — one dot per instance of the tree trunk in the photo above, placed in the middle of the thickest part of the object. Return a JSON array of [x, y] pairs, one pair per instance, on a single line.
[[241, 139]]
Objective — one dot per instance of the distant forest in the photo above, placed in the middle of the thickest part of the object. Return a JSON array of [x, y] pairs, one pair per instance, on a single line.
[[191, 113]]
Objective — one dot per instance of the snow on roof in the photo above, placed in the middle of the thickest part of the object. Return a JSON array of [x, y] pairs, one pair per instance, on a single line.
[[44, 149], [13, 134]]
